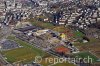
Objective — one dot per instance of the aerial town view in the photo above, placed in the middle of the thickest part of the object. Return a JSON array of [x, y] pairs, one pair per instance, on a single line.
[[49, 32]]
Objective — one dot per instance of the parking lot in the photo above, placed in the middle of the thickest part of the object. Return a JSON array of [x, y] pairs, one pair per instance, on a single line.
[[8, 45]]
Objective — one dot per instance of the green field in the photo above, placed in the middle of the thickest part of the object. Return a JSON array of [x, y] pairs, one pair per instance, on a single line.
[[78, 34], [92, 41], [19, 55], [86, 55], [26, 53], [42, 24]]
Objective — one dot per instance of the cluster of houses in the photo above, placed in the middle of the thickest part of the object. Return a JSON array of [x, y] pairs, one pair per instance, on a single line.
[[77, 14]]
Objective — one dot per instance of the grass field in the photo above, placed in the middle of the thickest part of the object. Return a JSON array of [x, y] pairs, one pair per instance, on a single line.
[[25, 54], [92, 41], [19, 55], [42, 24], [86, 55]]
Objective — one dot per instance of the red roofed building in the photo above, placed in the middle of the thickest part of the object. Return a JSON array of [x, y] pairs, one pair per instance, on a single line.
[[62, 49]]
